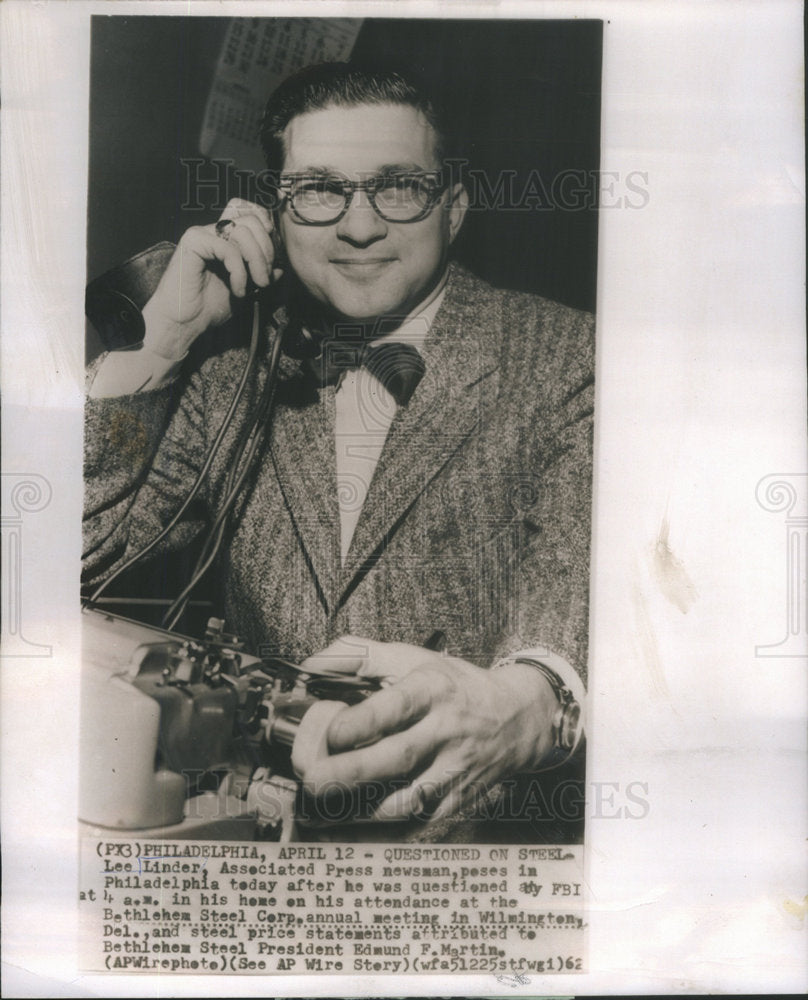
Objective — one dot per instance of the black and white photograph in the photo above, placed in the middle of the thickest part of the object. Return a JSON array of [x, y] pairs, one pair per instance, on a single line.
[[357, 398]]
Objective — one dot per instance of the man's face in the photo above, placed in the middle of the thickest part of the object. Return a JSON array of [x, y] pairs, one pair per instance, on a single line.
[[362, 267]]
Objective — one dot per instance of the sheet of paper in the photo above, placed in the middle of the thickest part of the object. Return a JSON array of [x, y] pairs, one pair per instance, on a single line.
[[257, 54]]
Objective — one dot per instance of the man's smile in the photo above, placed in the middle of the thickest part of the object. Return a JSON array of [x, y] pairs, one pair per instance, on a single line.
[[361, 267]]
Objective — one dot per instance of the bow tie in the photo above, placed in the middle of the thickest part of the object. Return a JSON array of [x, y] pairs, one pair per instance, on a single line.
[[399, 367]]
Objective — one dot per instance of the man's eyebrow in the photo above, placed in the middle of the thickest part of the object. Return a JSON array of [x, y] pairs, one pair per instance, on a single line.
[[320, 170], [402, 168], [312, 171]]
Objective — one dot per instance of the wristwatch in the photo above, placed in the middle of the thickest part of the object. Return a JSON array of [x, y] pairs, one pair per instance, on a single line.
[[567, 717]]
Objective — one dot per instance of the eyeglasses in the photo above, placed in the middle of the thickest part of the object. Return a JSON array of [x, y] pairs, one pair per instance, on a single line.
[[323, 199]]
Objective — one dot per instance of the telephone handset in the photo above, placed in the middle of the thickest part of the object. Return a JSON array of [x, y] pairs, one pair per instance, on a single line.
[[114, 301]]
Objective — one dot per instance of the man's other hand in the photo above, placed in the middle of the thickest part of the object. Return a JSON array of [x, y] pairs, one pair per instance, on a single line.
[[206, 269], [450, 728]]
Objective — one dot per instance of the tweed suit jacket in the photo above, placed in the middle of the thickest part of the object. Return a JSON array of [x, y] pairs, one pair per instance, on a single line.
[[477, 519]]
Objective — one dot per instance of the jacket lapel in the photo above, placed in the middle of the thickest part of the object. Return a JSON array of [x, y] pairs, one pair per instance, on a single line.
[[302, 451], [461, 362]]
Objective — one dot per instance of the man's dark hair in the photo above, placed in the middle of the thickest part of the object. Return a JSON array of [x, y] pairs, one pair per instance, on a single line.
[[343, 85]]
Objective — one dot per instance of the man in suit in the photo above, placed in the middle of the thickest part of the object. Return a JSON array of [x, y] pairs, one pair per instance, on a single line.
[[455, 496]]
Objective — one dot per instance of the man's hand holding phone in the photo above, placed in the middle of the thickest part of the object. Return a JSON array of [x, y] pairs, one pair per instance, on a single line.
[[211, 264]]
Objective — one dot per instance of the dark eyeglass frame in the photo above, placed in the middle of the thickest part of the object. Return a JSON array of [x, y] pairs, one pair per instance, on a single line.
[[434, 178]]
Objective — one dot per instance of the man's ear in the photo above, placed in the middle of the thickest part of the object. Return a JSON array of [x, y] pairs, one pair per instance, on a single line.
[[458, 206]]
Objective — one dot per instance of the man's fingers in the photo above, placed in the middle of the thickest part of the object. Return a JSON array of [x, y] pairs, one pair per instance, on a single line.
[[384, 712], [369, 658], [203, 242], [250, 234], [309, 745], [248, 247], [234, 264], [435, 791], [344, 656], [394, 757], [394, 660], [403, 804], [257, 227], [260, 234], [242, 237]]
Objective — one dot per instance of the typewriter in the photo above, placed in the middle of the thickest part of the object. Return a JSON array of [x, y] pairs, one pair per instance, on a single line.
[[196, 738]]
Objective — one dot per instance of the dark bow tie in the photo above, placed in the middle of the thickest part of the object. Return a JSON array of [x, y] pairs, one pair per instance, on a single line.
[[399, 367]]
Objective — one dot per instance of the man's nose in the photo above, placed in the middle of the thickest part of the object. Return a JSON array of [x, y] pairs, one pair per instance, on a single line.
[[361, 224]]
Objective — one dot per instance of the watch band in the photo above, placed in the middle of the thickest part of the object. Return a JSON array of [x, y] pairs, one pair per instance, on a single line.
[[567, 718]]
